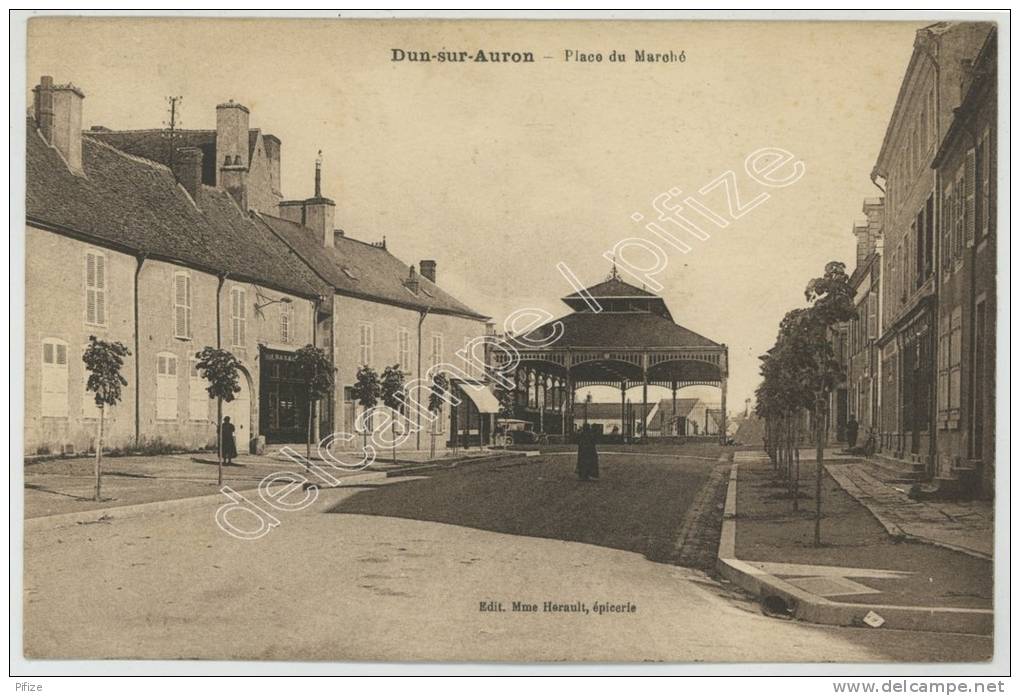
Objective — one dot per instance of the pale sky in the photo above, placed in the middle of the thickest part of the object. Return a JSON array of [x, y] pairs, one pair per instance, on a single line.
[[499, 171]]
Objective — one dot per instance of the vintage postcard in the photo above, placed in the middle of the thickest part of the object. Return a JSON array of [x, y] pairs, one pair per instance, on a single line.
[[509, 340]]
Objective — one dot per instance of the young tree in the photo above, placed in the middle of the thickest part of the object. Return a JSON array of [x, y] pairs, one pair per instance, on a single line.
[[437, 397], [367, 391], [103, 361], [394, 398], [222, 370], [316, 372], [832, 302]]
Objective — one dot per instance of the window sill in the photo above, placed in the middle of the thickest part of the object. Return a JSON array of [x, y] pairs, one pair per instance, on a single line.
[[185, 339]]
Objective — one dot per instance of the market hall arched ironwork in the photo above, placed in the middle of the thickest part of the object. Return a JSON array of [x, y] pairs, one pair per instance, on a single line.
[[617, 335]]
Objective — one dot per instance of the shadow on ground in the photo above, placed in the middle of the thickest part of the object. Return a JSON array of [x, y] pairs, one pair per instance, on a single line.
[[638, 505]]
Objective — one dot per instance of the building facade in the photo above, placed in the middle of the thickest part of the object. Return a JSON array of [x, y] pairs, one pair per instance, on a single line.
[[127, 249], [965, 167], [384, 313], [930, 92]]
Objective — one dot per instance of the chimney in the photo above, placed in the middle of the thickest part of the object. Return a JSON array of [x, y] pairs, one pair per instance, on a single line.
[[428, 269], [188, 169], [861, 232], [58, 117], [412, 282], [232, 151], [273, 147]]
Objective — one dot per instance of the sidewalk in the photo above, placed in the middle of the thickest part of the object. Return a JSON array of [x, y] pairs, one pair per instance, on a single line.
[[768, 548], [61, 486], [966, 526]]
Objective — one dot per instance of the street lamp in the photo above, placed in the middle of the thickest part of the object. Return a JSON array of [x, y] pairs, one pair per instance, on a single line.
[[282, 300]]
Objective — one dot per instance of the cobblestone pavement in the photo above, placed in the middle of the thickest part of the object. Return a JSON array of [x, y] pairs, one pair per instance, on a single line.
[[966, 526]]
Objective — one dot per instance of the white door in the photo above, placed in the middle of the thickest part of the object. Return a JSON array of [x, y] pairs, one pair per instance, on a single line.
[[239, 411]]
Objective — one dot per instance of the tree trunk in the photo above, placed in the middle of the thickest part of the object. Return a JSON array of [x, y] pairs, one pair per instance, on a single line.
[[99, 454], [432, 443], [796, 467], [393, 440], [819, 456], [219, 442], [308, 435]]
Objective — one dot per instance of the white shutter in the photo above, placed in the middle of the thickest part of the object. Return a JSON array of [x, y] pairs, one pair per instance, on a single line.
[[54, 379], [166, 387], [969, 175]]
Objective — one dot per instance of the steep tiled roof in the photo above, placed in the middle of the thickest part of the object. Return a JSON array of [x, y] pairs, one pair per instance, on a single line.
[[364, 270], [153, 144], [614, 287], [136, 205], [621, 329], [683, 407]]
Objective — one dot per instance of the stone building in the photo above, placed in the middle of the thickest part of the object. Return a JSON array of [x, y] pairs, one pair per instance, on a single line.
[[169, 241], [930, 92], [862, 357], [126, 249], [386, 312], [965, 169]]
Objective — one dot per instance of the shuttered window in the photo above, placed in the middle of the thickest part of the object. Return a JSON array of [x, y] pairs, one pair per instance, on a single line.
[[285, 324], [182, 305], [404, 345], [198, 397], [365, 343], [238, 317], [54, 378], [436, 356], [970, 174], [95, 288], [166, 386], [955, 346], [983, 166]]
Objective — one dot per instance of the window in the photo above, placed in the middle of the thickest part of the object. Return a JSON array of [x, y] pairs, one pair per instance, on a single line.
[[969, 176], [983, 157], [238, 316], [95, 288], [166, 386], [959, 206], [286, 317], [198, 397], [929, 236], [955, 344], [872, 315], [932, 125], [365, 343], [948, 217], [404, 348], [182, 305], [54, 378], [436, 356]]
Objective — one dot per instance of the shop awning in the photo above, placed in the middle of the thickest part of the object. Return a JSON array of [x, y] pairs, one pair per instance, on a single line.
[[481, 396]]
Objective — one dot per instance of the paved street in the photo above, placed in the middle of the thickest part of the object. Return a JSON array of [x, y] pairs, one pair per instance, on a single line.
[[401, 567]]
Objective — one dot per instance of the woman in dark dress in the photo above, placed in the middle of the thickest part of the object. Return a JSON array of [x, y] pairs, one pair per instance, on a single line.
[[587, 455], [227, 444]]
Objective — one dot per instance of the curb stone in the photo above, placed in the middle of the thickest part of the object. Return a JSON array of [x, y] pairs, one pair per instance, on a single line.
[[895, 530], [66, 519], [815, 609]]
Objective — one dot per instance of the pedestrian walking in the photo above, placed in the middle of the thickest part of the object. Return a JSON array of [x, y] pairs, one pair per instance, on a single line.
[[227, 444], [851, 432], [587, 455]]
